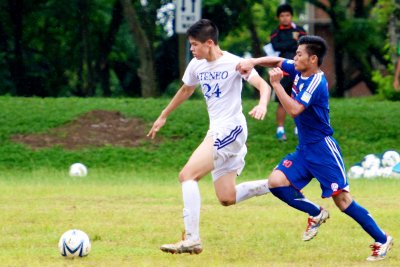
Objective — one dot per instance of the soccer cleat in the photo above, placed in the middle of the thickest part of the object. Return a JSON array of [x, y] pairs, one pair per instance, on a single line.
[[379, 251], [183, 246], [314, 223], [281, 136]]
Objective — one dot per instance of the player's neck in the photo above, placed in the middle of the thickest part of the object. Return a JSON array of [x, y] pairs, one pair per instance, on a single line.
[[214, 54], [310, 72]]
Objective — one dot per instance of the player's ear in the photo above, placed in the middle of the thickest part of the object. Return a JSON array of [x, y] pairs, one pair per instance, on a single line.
[[210, 42], [314, 59]]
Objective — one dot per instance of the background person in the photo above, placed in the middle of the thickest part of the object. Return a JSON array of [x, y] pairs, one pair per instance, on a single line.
[[284, 40], [397, 71]]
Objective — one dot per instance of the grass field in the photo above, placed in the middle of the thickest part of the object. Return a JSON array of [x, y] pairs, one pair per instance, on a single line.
[[131, 203], [129, 215]]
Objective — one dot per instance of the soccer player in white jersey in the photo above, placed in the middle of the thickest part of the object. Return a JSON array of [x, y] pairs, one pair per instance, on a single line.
[[317, 154], [223, 149]]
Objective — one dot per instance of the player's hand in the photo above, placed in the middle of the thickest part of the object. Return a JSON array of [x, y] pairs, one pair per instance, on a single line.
[[258, 112], [275, 75], [396, 84], [244, 67], [156, 127]]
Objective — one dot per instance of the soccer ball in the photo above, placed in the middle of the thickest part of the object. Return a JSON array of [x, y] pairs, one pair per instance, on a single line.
[[74, 243], [372, 172], [386, 171], [370, 161], [355, 172], [390, 158], [78, 169]]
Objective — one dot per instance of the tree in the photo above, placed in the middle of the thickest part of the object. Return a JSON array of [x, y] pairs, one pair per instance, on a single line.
[[107, 40], [146, 70], [356, 40]]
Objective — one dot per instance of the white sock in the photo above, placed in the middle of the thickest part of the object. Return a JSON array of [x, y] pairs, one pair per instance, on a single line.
[[250, 189], [280, 129], [191, 210]]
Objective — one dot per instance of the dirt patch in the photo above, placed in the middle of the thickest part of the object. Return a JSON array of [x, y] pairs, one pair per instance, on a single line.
[[94, 129]]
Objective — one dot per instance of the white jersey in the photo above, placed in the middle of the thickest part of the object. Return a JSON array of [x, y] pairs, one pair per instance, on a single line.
[[221, 85]]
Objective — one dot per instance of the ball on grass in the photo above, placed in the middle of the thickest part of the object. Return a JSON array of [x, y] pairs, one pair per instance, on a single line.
[[78, 170], [74, 243]]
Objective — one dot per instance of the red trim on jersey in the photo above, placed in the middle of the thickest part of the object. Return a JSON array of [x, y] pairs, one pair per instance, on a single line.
[[283, 27], [337, 192], [273, 35]]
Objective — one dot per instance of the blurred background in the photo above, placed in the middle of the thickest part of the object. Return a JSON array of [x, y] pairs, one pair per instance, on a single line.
[[129, 48]]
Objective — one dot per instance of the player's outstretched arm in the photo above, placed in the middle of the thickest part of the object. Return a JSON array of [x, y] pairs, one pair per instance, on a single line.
[[245, 66], [183, 93], [259, 111]]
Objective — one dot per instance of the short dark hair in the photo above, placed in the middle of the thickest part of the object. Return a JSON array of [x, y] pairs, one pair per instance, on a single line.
[[315, 45], [284, 8], [202, 30]]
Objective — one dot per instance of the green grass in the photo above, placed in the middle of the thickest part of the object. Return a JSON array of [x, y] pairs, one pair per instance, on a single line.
[[131, 203], [129, 215], [362, 126]]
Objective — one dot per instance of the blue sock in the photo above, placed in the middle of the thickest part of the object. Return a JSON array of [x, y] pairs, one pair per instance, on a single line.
[[296, 199], [362, 216]]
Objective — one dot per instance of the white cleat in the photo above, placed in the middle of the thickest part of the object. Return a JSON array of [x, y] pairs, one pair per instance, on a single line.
[[183, 246], [379, 251], [314, 223]]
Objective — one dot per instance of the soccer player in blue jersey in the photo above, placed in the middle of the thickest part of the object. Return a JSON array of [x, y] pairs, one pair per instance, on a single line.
[[317, 154]]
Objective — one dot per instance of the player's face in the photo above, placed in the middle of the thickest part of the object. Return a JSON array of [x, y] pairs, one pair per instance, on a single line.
[[303, 61], [285, 18], [199, 50]]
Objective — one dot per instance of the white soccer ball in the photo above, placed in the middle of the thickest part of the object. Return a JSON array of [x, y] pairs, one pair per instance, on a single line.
[[370, 161], [355, 172], [74, 243], [372, 172], [386, 171], [78, 169], [390, 158]]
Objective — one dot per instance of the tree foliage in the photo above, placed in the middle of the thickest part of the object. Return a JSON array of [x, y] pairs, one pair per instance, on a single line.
[[126, 48]]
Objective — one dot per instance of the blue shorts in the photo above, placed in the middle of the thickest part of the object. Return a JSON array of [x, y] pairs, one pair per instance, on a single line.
[[323, 161]]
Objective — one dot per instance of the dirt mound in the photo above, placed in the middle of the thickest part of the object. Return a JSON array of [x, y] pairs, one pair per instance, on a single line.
[[94, 129]]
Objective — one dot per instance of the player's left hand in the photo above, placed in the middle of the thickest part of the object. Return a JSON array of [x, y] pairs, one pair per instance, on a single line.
[[244, 67], [258, 112]]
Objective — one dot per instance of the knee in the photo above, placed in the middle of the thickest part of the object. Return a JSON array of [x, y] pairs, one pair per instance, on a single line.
[[274, 182], [343, 200], [277, 179], [227, 201], [184, 175], [181, 176]]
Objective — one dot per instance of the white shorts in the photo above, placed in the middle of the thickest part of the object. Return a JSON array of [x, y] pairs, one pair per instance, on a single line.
[[229, 149]]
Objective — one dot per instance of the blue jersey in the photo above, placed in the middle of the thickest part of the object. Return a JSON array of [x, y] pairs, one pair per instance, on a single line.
[[313, 123]]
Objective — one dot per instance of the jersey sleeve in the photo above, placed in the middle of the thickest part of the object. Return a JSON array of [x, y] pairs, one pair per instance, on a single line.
[[311, 90], [252, 74], [189, 77], [288, 67]]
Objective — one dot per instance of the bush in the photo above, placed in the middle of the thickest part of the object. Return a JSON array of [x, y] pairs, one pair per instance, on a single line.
[[174, 86], [385, 86]]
